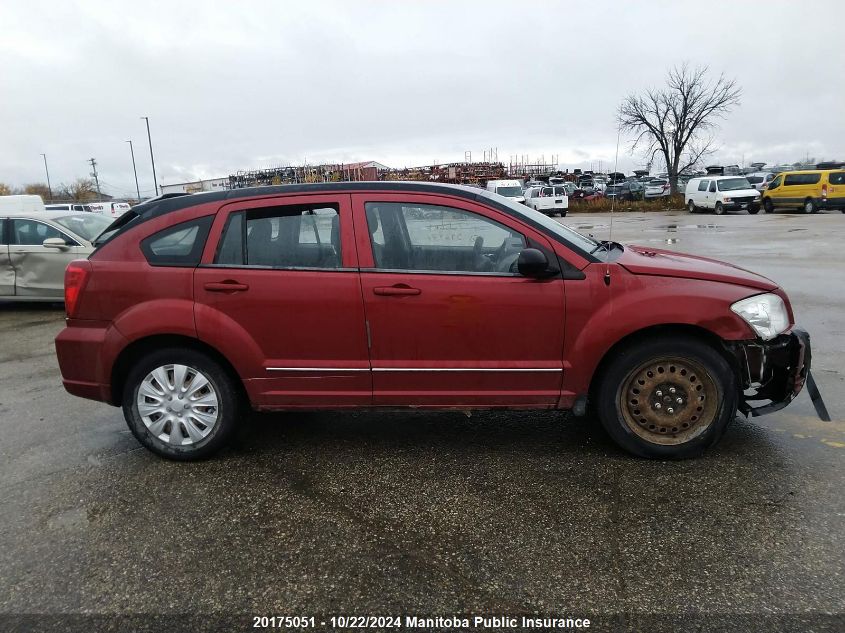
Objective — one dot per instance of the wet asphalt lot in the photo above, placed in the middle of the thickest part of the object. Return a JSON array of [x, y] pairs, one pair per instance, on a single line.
[[438, 513]]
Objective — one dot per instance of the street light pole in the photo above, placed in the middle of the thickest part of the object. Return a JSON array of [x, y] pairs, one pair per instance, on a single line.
[[49, 188], [137, 188], [152, 159]]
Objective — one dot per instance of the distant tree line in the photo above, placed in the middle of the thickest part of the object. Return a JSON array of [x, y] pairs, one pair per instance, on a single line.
[[80, 190]]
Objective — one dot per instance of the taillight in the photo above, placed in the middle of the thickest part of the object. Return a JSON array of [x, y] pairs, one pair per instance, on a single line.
[[824, 190], [76, 276]]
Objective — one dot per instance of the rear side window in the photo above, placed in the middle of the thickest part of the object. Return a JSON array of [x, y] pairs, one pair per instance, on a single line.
[[293, 236], [179, 245], [837, 178], [801, 179]]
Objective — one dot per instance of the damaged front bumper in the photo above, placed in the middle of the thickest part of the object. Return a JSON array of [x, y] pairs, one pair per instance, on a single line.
[[774, 372]]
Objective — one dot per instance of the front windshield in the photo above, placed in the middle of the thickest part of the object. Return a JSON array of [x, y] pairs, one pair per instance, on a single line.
[[733, 184], [85, 225], [568, 235], [509, 192]]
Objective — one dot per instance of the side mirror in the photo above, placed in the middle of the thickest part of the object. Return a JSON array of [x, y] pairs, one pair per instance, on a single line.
[[54, 242], [533, 263]]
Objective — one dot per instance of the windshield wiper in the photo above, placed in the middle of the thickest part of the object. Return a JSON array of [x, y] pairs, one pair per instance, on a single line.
[[607, 246]]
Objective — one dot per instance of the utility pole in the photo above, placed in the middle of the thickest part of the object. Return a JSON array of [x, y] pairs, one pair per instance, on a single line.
[[152, 158], [49, 188], [93, 162], [134, 169]]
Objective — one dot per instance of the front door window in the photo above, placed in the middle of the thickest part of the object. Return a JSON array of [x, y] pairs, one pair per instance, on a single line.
[[429, 238]]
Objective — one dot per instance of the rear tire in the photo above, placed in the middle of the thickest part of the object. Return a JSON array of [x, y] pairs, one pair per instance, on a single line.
[[691, 207], [719, 209], [180, 404], [810, 206], [640, 414]]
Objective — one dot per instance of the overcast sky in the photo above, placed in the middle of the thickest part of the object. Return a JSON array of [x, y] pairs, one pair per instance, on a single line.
[[241, 85]]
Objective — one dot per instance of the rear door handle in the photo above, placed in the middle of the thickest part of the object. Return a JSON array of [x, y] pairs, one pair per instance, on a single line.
[[393, 291], [225, 286]]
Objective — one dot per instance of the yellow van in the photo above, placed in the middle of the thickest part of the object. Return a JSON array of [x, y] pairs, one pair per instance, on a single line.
[[807, 190]]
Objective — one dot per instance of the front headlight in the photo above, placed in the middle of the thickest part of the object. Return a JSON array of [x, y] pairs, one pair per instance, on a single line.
[[766, 314]]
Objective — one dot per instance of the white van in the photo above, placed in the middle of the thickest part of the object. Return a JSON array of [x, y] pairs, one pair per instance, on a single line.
[[508, 188], [21, 204], [74, 207], [721, 193], [550, 199], [110, 209]]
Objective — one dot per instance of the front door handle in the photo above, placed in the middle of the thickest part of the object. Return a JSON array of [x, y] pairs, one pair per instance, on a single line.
[[225, 286], [397, 290]]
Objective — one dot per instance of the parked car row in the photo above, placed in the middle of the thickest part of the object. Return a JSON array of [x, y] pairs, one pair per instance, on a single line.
[[28, 203], [805, 190]]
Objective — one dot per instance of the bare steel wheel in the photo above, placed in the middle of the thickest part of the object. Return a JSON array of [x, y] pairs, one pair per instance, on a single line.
[[178, 404], [668, 396], [669, 400]]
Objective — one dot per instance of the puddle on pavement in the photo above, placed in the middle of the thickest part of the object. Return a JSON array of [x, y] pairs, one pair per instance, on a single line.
[[672, 228], [589, 226]]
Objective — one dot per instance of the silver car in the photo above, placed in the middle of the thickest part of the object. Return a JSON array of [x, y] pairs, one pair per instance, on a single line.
[[35, 249]]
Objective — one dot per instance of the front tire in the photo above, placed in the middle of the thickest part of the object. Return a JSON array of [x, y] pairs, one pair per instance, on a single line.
[[180, 404], [719, 209], [668, 398], [768, 207]]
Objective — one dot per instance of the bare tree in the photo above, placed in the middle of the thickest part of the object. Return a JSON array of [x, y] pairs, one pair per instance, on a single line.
[[677, 120], [38, 189], [5, 190], [81, 190]]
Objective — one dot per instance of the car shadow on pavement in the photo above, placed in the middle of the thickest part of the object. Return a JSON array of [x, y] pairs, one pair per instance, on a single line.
[[427, 511]]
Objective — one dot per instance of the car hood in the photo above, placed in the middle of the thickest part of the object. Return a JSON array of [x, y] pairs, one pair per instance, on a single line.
[[739, 193], [642, 260]]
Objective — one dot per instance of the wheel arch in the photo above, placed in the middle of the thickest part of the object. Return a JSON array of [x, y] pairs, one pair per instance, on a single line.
[[661, 331], [141, 347]]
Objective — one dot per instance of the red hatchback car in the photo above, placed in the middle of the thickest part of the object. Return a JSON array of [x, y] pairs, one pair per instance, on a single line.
[[408, 295]]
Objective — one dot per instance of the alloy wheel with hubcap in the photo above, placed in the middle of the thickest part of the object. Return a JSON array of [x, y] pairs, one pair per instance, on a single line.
[[178, 404], [181, 403], [809, 206]]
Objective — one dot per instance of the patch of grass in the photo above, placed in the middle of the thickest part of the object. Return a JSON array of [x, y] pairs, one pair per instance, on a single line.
[[666, 203]]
